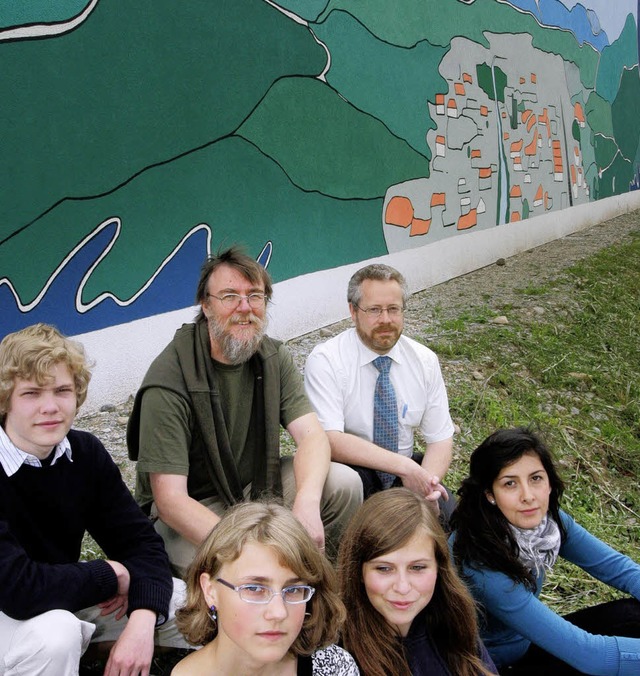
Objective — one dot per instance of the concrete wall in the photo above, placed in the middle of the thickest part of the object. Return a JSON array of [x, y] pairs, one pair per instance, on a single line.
[[123, 353]]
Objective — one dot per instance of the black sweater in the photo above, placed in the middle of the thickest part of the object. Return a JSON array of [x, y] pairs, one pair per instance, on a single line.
[[44, 513]]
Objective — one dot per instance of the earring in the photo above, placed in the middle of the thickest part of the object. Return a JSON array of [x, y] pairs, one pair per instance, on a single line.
[[213, 613], [492, 501]]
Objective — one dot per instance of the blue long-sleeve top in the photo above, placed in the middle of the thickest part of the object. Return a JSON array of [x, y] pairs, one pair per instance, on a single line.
[[515, 617]]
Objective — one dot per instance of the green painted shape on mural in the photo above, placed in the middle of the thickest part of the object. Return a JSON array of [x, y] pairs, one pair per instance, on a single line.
[[137, 84], [305, 9], [605, 150], [620, 54], [325, 144], [230, 185], [598, 114], [624, 114], [406, 22], [389, 82], [575, 131], [485, 81], [39, 11], [616, 179]]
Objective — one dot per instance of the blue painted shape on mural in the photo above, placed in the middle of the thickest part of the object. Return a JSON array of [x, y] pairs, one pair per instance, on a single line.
[[174, 288], [583, 23]]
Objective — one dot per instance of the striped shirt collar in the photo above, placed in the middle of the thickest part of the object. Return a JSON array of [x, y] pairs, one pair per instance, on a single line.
[[12, 458]]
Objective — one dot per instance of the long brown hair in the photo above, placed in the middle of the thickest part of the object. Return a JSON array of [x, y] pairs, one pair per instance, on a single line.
[[384, 523]]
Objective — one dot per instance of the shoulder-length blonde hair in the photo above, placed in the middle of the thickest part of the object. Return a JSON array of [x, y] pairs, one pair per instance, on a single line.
[[31, 354], [273, 526], [385, 522]]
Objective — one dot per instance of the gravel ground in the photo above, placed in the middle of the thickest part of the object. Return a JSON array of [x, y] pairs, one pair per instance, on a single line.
[[493, 286]]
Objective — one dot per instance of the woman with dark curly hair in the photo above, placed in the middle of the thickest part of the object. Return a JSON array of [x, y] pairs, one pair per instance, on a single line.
[[262, 600], [408, 612], [509, 531]]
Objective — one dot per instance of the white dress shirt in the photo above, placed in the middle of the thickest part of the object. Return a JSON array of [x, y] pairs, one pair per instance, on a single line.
[[12, 458], [340, 381]]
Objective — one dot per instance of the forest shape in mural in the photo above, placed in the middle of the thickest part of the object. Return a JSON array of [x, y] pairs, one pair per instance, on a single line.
[[314, 134]]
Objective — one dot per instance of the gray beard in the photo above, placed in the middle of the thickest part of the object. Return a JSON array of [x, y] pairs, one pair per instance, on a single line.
[[235, 350]]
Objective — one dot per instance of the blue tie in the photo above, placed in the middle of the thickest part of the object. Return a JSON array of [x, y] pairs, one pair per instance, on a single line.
[[385, 414]]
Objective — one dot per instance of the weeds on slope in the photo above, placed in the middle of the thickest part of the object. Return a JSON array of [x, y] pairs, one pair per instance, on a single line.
[[567, 361]]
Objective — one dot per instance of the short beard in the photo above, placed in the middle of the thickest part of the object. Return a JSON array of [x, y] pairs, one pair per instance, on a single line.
[[235, 350]]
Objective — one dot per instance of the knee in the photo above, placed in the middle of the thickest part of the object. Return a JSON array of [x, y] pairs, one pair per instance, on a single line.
[[343, 484], [51, 640]]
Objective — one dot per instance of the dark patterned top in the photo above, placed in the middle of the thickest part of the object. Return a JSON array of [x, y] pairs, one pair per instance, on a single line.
[[329, 661]]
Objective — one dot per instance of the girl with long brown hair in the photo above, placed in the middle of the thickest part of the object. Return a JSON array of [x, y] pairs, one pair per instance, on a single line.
[[408, 612]]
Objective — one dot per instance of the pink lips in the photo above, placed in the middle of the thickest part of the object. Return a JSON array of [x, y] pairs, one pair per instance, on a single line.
[[272, 635]]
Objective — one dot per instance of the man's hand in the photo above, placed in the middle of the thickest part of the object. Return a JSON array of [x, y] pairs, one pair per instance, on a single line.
[[308, 514], [417, 479], [120, 601], [133, 651]]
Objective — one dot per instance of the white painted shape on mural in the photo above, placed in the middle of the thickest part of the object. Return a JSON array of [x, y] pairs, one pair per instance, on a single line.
[[47, 30], [123, 353]]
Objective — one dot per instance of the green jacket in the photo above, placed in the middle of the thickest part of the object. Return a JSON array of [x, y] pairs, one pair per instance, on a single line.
[[185, 368]]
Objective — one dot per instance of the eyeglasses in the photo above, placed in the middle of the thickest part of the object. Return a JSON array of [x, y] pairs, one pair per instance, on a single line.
[[232, 300], [394, 311], [259, 593]]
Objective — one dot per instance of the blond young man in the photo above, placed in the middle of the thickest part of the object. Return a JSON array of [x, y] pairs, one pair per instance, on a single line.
[[56, 484]]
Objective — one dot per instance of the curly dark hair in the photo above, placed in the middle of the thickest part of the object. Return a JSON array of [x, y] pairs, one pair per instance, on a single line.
[[482, 534]]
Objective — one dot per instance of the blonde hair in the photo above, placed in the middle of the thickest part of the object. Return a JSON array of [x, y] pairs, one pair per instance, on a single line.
[[386, 522], [273, 526], [31, 353]]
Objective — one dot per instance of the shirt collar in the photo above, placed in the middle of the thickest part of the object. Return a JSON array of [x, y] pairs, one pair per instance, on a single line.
[[12, 458], [367, 355]]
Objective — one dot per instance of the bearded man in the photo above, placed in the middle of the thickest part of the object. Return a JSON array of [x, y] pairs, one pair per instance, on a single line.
[[372, 388], [205, 426]]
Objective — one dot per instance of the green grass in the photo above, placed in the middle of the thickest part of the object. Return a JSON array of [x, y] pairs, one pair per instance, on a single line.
[[571, 369]]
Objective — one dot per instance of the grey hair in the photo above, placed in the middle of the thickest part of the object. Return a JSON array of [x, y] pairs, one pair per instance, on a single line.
[[378, 272]]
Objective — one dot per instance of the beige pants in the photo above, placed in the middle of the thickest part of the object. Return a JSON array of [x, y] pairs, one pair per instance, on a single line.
[[51, 644], [341, 497]]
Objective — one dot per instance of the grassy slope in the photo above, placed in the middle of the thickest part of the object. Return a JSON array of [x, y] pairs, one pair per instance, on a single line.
[[573, 370]]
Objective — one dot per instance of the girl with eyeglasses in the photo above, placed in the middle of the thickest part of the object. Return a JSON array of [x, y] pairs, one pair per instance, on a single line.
[[408, 612], [509, 531], [262, 600]]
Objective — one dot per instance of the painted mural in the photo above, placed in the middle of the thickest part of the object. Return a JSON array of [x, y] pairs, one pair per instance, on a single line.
[[139, 136]]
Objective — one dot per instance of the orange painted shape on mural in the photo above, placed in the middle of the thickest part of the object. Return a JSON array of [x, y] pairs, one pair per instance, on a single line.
[[468, 220], [440, 98], [515, 216], [516, 191], [459, 88], [440, 139], [419, 226], [505, 135], [476, 152], [531, 122], [534, 78], [573, 173], [578, 112], [526, 114], [522, 80], [532, 148], [484, 172], [399, 212], [467, 78], [484, 111], [438, 199], [538, 196]]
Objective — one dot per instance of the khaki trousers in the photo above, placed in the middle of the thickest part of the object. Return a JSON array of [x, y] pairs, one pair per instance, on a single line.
[[341, 497]]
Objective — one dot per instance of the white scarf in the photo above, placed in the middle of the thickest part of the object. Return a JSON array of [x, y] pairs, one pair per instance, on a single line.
[[538, 546]]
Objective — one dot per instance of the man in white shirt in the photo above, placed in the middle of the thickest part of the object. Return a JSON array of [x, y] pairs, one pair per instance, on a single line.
[[341, 377]]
